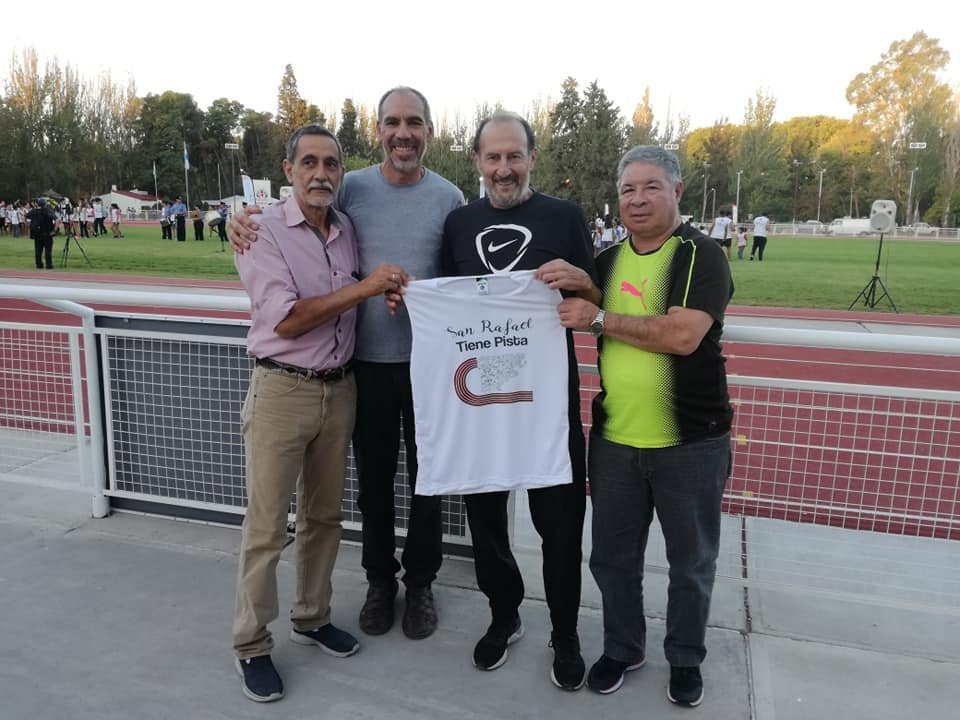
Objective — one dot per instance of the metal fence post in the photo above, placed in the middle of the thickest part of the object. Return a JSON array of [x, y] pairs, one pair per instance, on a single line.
[[93, 459]]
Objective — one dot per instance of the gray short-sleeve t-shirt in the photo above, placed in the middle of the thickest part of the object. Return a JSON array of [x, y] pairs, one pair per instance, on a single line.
[[401, 224]]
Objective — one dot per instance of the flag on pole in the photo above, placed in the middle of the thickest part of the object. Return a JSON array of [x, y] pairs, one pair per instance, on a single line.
[[154, 172], [249, 196], [186, 158]]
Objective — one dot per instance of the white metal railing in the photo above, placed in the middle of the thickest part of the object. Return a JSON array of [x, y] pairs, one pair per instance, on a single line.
[[803, 229], [850, 490]]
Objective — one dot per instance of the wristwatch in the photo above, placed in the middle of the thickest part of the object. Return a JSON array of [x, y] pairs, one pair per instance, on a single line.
[[596, 327]]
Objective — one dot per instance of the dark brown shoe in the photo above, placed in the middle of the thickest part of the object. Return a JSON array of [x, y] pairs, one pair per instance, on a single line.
[[376, 615], [420, 617]]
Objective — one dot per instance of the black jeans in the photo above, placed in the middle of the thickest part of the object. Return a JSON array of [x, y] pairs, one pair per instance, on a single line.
[[198, 229], [384, 397], [43, 250], [759, 245], [557, 513], [181, 228]]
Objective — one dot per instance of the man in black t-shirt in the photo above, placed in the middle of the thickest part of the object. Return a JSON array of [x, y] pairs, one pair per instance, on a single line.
[[515, 228], [660, 440], [42, 223]]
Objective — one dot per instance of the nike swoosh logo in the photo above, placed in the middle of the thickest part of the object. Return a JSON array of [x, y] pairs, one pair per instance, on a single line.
[[493, 248], [517, 233]]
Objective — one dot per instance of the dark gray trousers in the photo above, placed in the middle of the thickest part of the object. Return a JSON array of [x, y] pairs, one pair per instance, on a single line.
[[684, 485]]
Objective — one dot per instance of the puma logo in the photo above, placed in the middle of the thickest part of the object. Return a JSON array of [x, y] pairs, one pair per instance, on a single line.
[[632, 289]]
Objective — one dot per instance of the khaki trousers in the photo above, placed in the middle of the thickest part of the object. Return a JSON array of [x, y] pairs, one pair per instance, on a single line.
[[295, 434]]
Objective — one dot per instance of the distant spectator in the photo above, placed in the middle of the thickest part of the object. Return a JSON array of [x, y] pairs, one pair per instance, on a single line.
[[82, 226], [166, 223], [607, 239], [197, 223], [98, 227], [115, 216], [222, 225], [179, 213], [42, 222], [760, 223], [66, 218], [720, 230], [619, 231], [13, 215], [741, 241], [3, 218]]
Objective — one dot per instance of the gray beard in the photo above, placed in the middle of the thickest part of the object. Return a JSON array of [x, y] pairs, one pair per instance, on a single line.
[[505, 203], [405, 166]]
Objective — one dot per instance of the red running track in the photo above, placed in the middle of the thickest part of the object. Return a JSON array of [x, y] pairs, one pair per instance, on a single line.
[[856, 461]]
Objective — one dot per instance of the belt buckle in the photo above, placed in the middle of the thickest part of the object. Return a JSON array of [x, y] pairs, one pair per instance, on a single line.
[[331, 374]]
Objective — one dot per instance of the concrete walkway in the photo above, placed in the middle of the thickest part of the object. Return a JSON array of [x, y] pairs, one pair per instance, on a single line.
[[129, 617]]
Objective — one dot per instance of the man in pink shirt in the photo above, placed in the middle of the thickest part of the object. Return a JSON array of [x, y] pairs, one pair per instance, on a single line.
[[299, 412]]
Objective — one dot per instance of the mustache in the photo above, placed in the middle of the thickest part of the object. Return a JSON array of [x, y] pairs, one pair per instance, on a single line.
[[322, 185]]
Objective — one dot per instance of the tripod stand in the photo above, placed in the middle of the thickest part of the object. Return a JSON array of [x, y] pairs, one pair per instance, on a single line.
[[66, 251], [869, 292]]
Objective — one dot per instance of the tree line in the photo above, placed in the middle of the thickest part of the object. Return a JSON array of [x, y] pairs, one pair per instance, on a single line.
[[80, 136]]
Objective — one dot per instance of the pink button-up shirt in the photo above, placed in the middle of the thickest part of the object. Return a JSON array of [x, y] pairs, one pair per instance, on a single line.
[[290, 262]]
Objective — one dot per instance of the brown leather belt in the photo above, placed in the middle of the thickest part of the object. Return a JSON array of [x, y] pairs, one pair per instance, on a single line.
[[328, 375]]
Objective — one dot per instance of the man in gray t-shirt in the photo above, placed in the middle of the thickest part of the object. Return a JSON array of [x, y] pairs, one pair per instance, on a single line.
[[398, 209]]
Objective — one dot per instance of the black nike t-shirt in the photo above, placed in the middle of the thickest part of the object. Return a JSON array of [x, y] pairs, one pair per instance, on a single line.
[[479, 239]]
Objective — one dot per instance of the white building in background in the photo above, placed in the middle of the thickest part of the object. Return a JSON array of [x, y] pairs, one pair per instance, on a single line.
[[129, 201], [258, 192]]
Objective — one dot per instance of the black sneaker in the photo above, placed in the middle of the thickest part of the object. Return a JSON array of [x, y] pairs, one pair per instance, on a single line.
[[376, 615], [260, 680], [420, 617], [332, 640], [686, 686], [491, 651], [568, 672], [606, 675]]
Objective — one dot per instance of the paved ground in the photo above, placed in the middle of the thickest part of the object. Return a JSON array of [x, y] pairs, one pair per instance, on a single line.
[[128, 617]]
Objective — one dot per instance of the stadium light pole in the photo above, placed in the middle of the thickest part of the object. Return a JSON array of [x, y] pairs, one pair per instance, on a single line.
[[713, 209], [909, 213], [703, 210], [796, 187], [737, 204], [820, 192], [233, 173]]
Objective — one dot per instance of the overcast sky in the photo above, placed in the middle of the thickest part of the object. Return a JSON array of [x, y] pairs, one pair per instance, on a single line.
[[700, 59]]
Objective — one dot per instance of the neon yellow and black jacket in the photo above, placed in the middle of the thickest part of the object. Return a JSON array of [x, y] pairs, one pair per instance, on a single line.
[[656, 400]]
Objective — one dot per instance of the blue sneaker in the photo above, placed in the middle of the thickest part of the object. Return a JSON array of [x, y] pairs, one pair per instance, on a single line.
[[330, 639], [260, 679]]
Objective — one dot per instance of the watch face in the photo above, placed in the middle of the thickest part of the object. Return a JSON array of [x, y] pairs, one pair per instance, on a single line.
[[596, 327]]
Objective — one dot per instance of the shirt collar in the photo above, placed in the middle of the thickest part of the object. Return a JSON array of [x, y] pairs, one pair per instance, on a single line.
[[293, 216]]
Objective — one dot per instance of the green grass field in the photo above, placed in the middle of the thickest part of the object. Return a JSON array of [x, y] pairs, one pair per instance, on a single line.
[[140, 252], [921, 276]]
